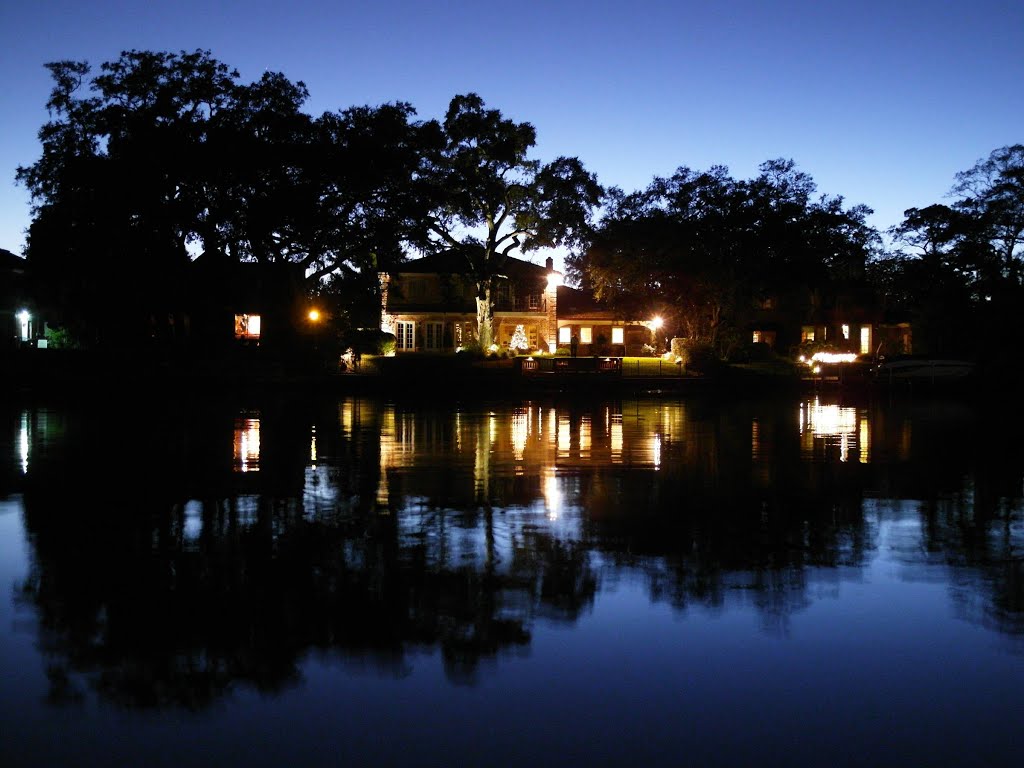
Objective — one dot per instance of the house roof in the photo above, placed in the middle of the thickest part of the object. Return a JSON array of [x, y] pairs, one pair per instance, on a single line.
[[452, 262], [10, 262]]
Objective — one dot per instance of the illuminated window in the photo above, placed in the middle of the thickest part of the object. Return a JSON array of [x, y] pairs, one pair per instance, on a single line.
[[247, 326], [585, 336], [846, 331], [865, 339], [757, 337], [564, 334], [404, 335], [618, 335], [807, 333]]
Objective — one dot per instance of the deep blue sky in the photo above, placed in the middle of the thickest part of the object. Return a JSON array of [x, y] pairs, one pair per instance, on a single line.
[[881, 102]]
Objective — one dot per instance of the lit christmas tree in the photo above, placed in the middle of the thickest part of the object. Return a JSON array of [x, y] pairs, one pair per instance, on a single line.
[[519, 340]]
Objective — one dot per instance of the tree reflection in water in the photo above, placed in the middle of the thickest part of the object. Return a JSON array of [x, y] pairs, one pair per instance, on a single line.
[[165, 575]]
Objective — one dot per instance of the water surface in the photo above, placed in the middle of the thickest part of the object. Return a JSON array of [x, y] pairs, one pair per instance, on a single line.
[[612, 582]]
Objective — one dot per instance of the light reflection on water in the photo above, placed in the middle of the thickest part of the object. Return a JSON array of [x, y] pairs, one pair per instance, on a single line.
[[514, 549]]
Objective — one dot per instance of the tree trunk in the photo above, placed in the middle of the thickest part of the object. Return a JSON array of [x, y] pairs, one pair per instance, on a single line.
[[484, 317]]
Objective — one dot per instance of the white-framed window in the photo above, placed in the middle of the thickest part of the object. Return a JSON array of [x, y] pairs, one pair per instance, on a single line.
[[564, 334], [618, 335], [433, 336], [586, 336], [405, 335]]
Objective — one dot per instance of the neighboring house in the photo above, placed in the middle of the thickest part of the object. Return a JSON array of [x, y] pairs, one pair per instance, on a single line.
[[430, 306], [16, 313], [243, 304], [598, 329], [846, 324]]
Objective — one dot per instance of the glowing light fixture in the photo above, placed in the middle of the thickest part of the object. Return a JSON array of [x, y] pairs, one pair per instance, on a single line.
[[656, 322], [23, 318], [314, 315], [833, 357]]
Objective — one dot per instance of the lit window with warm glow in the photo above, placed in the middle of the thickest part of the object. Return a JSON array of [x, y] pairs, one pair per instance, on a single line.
[[756, 337], [586, 336], [807, 333], [846, 332], [247, 326], [618, 335], [405, 335], [564, 334], [865, 339]]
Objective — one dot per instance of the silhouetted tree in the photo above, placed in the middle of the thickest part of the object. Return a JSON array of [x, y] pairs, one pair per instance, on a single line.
[[700, 246], [163, 156], [492, 198]]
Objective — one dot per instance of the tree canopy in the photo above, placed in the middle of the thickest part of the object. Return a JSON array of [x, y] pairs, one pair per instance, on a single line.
[[163, 157], [491, 198], [958, 267], [699, 246]]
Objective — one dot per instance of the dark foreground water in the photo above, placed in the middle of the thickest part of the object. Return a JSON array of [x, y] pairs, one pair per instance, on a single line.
[[640, 582]]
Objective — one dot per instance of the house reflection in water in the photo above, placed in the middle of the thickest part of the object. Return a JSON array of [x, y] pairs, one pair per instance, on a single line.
[[247, 445], [835, 425]]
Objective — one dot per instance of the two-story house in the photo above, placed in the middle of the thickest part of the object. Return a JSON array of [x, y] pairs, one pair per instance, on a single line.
[[430, 306]]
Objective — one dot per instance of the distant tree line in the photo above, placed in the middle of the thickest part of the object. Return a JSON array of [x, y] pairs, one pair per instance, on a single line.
[[161, 158]]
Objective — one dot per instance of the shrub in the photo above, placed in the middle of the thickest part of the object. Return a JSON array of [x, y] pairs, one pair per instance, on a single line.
[[699, 357], [60, 338], [469, 351]]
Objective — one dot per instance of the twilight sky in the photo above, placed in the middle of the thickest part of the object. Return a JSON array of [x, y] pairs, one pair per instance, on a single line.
[[881, 102]]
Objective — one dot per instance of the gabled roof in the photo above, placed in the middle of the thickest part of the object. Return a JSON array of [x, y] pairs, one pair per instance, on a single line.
[[453, 263], [10, 262]]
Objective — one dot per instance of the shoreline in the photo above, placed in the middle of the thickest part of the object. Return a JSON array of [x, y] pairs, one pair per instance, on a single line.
[[73, 373]]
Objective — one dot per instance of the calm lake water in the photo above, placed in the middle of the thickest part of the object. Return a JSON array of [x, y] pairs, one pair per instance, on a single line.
[[635, 582]]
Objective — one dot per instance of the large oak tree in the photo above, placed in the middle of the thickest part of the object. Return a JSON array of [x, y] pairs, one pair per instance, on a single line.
[[493, 198]]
